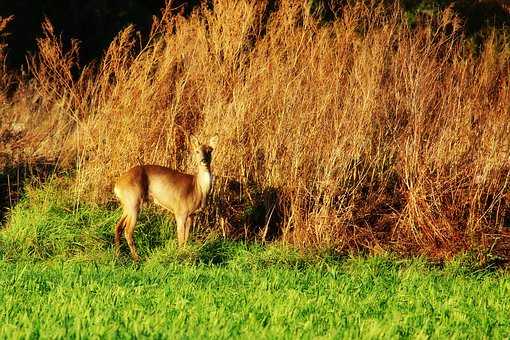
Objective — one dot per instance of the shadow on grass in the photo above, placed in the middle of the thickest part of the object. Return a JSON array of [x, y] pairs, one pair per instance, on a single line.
[[216, 252], [252, 212], [14, 177], [155, 238]]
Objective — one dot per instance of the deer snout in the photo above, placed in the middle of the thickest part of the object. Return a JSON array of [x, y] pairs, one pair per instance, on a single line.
[[206, 159]]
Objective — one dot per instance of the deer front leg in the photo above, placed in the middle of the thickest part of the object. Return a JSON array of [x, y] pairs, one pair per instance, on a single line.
[[181, 229], [189, 223]]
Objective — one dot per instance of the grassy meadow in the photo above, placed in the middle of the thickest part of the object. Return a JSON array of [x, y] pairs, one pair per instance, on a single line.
[[252, 292], [361, 178], [59, 278]]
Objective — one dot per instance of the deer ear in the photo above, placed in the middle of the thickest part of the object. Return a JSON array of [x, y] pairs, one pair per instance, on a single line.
[[193, 141], [213, 141]]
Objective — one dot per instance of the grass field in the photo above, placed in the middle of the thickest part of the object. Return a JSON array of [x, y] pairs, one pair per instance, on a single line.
[[362, 177], [59, 278], [252, 292]]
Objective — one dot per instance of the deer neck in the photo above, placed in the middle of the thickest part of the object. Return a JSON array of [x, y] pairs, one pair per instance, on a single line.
[[203, 182]]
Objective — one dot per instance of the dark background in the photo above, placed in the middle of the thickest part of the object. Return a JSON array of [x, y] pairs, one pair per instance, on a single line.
[[93, 22], [96, 22]]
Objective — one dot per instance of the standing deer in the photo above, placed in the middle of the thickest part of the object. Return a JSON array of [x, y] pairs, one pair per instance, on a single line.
[[183, 194]]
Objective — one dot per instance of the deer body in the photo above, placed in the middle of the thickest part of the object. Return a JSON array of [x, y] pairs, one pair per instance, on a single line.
[[182, 194]]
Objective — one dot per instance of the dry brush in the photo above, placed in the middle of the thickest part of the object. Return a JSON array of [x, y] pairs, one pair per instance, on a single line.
[[358, 134]]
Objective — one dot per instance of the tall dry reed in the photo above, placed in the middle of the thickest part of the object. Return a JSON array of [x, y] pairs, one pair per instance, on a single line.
[[359, 134]]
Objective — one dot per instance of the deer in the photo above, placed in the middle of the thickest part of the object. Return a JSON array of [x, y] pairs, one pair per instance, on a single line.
[[184, 195]]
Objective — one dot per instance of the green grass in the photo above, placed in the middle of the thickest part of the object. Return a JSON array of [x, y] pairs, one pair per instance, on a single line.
[[59, 278], [250, 296]]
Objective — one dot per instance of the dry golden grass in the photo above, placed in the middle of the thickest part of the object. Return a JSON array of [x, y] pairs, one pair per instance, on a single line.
[[359, 134], [5, 78]]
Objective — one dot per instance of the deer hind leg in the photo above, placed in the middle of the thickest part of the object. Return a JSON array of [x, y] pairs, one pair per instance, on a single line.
[[131, 210], [130, 228], [119, 228]]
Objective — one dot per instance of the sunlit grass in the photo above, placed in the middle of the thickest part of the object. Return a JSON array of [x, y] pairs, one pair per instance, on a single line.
[[59, 278], [246, 296]]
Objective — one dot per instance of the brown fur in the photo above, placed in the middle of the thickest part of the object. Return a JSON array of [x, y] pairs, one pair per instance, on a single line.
[[182, 194]]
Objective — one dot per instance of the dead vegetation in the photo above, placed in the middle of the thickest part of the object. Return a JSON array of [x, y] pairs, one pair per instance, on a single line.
[[358, 134]]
